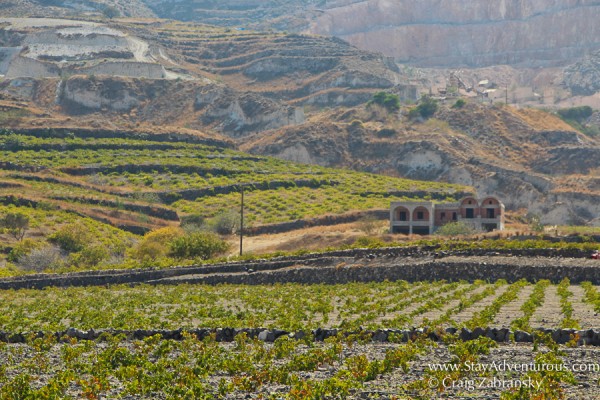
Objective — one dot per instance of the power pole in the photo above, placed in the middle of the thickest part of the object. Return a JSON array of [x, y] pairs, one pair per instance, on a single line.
[[242, 222]]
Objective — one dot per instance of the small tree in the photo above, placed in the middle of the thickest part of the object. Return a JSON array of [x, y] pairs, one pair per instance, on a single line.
[[111, 12], [16, 224]]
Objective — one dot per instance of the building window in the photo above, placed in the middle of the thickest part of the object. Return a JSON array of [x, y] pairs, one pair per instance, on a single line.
[[420, 215], [402, 216], [470, 213], [491, 213], [443, 216], [490, 202], [454, 216]]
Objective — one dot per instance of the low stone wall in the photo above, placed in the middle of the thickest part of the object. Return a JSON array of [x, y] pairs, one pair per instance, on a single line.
[[588, 337], [430, 271], [319, 268]]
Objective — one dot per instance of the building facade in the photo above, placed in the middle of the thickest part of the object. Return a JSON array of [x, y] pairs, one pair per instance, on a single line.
[[423, 218]]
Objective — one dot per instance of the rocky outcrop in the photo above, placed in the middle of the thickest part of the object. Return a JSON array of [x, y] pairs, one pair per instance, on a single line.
[[583, 78], [466, 32], [242, 113]]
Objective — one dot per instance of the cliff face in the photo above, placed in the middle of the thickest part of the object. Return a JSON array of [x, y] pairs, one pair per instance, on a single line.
[[467, 32]]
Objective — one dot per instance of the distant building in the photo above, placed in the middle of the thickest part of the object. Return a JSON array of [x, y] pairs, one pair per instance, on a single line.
[[423, 218]]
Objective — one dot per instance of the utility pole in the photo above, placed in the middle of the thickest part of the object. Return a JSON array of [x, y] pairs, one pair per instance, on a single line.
[[242, 222], [506, 102]]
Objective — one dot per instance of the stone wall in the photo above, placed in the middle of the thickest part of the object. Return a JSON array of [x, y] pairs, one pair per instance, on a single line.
[[313, 268]]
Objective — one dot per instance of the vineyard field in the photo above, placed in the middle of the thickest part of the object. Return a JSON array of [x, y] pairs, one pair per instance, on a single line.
[[348, 365]]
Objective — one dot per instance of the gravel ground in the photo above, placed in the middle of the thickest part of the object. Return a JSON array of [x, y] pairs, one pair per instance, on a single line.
[[472, 385]]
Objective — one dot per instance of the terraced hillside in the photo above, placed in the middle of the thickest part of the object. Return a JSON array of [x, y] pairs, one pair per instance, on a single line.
[[135, 183]]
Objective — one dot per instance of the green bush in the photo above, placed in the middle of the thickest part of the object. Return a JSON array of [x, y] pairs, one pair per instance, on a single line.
[[455, 228], [578, 114], [91, 256], [390, 102], [72, 237], [21, 249], [155, 244], [201, 245], [427, 107], [460, 103]]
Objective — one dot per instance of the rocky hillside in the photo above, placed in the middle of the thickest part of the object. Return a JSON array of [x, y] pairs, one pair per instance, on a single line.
[[466, 32], [200, 77], [530, 158], [426, 33], [299, 97]]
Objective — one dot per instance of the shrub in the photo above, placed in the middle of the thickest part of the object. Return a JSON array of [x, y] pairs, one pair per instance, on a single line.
[[193, 222], [41, 259], [387, 132], [390, 101], [460, 103], [427, 107], [226, 223], [72, 237], [578, 114], [455, 228], [155, 244], [16, 224], [369, 242], [111, 12], [91, 256], [22, 249], [198, 245]]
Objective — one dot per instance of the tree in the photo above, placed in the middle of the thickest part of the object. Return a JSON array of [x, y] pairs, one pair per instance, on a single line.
[[16, 224], [111, 12]]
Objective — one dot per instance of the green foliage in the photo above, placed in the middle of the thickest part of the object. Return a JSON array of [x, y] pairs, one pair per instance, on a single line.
[[455, 229], [389, 101], [16, 224], [578, 114], [155, 244], [460, 103], [201, 245], [576, 117], [72, 238], [22, 248], [426, 108]]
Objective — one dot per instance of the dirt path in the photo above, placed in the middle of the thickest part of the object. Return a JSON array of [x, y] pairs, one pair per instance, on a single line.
[[583, 312], [467, 313], [549, 315], [509, 312]]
